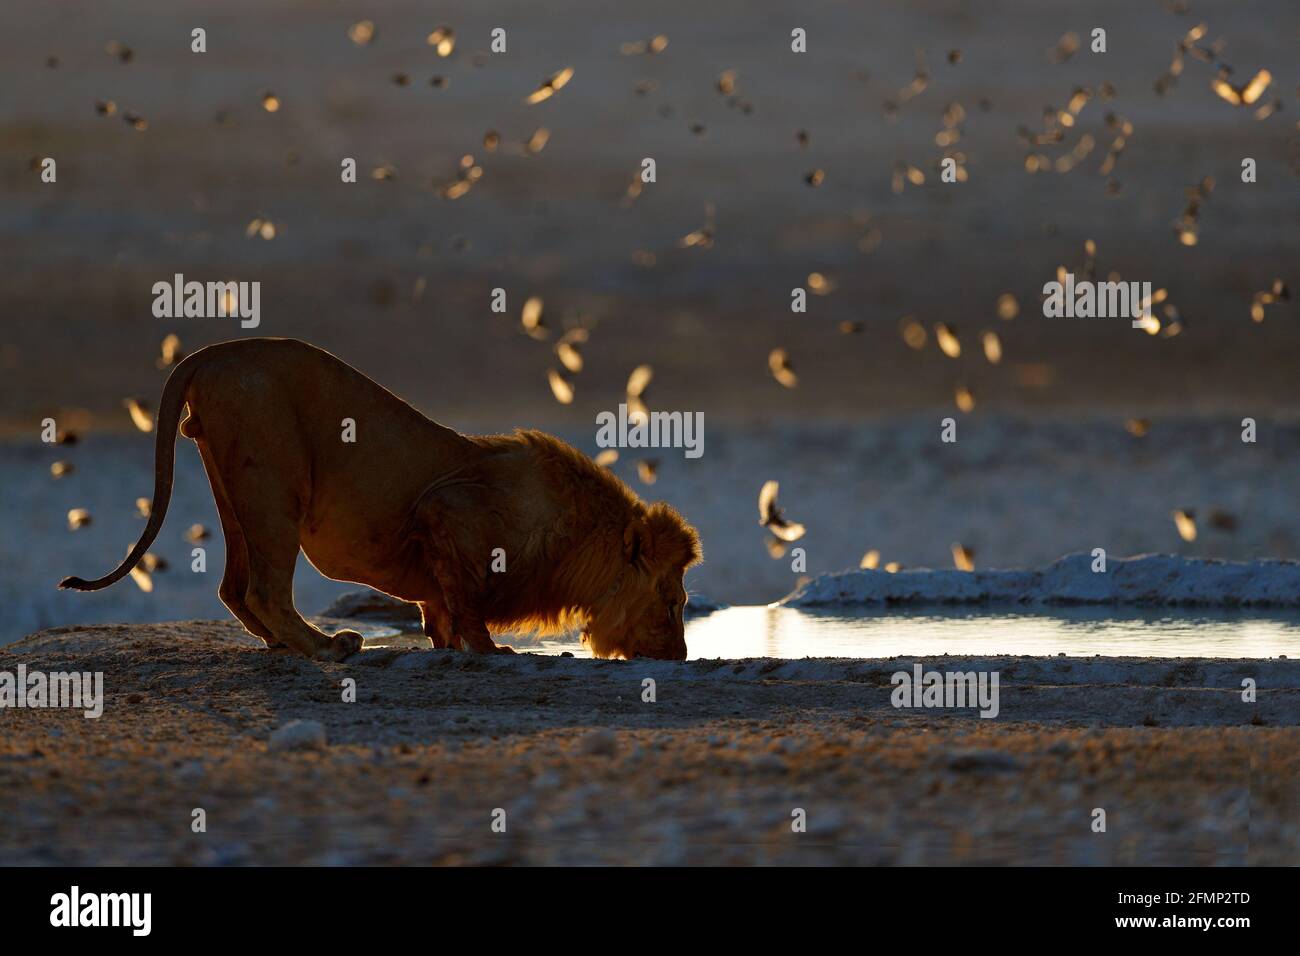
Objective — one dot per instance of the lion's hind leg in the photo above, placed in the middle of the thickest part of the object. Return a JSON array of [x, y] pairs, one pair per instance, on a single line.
[[272, 554], [234, 581], [268, 513]]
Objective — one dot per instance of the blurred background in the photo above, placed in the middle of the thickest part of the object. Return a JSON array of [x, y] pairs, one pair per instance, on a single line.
[[1087, 433]]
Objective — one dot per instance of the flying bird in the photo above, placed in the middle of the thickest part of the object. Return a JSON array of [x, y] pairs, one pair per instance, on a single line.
[[778, 363], [772, 518], [550, 86]]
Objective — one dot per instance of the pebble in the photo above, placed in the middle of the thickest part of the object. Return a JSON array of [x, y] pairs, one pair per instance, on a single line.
[[298, 735], [982, 760], [600, 743]]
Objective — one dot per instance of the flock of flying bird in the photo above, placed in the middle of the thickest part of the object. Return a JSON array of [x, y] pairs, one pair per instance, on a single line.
[[1055, 136]]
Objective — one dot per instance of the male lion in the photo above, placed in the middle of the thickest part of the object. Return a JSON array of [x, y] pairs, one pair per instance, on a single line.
[[410, 508]]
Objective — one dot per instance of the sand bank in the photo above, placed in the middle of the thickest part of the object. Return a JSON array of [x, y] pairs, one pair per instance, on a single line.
[[1146, 580], [588, 772]]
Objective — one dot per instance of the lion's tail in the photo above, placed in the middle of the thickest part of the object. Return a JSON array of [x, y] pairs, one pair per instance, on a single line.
[[169, 415]]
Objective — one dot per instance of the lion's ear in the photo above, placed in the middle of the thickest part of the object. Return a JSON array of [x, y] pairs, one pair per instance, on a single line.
[[636, 541], [676, 543]]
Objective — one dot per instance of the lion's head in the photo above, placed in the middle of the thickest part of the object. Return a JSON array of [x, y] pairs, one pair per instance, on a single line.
[[642, 616]]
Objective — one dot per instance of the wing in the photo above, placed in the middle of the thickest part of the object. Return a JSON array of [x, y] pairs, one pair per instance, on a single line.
[[787, 530], [767, 501]]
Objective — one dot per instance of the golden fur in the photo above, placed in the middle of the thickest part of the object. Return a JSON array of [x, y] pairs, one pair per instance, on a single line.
[[514, 532]]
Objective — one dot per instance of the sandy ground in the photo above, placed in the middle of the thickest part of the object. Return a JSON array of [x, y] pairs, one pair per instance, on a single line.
[[588, 773]]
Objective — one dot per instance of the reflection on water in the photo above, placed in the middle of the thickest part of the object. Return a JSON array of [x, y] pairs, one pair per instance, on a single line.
[[786, 632], [740, 632]]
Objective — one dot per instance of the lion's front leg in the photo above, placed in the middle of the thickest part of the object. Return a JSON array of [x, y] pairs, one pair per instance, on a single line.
[[473, 634], [437, 624], [457, 620]]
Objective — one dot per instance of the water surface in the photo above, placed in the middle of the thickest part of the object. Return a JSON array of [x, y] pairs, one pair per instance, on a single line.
[[741, 632]]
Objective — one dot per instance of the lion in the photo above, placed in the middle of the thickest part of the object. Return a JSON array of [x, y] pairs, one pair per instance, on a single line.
[[485, 533]]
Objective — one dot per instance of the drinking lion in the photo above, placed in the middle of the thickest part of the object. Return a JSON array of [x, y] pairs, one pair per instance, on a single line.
[[503, 532]]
